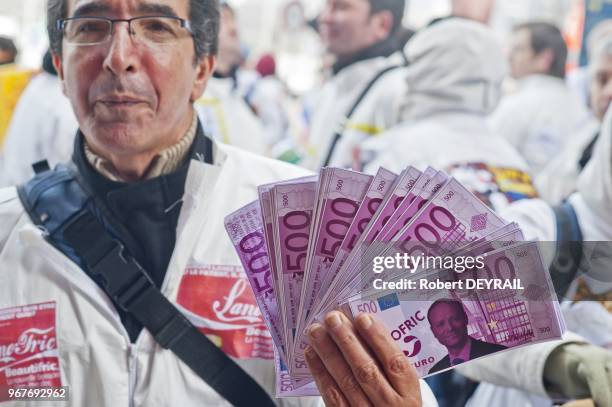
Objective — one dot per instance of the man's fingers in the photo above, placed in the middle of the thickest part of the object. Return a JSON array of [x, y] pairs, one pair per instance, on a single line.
[[336, 366], [365, 368], [401, 374], [332, 396], [599, 381]]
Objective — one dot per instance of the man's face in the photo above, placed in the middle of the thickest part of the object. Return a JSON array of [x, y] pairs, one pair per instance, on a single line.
[[6, 57], [448, 325], [601, 85], [522, 58], [131, 96], [477, 10], [229, 39], [346, 26]]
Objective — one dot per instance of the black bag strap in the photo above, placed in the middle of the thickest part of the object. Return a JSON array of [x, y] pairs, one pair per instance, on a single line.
[[56, 201], [341, 126], [568, 255]]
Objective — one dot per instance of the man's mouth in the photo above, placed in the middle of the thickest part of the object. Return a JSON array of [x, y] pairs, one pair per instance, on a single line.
[[115, 101], [452, 337]]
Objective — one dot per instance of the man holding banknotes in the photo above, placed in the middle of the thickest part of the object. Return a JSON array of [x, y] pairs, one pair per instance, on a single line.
[[98, 255]]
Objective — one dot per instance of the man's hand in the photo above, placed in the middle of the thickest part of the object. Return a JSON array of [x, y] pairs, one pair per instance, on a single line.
[[577, 370], [360, 365]]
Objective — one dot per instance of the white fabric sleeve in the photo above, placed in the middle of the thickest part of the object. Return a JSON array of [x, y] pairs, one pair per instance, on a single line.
[[521, 368]]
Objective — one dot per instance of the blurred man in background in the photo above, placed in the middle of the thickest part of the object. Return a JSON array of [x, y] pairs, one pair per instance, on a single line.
[[42, 127], [558, 180], [578, 79], [225, 114], [267, 97], [360, 98], [454, 80], [8, 51], [541, 117], [477, 10]]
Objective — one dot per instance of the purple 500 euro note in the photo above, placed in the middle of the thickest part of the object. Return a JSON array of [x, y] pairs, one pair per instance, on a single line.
[[380, 187], [452, 218], [340, 202], [442, 328], [294, 203], [246, 231]]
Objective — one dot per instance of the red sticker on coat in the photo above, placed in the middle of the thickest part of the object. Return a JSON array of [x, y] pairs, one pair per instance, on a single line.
[[220, 302], [29, 354]]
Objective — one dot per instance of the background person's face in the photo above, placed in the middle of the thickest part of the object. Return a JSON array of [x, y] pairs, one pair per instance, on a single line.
[[601, 85], [130, 97], [347, 27], [521, 55], [448, 325], [6, 57], [477, 10], [229, 39]]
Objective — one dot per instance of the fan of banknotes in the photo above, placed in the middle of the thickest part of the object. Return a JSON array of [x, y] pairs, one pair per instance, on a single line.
[[351, 241]]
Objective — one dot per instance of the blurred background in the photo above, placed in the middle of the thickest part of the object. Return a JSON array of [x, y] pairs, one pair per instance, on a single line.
[[299, 52]]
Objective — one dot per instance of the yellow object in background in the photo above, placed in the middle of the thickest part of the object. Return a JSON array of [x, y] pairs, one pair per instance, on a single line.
[[13, 81]]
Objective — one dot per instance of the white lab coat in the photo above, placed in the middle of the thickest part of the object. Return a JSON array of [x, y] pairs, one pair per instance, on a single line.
[[461, 144], [454, 79], [376, 112], [227, 118], [269, 97], [523, 369], [558, 180], [540, 119], [42, 127], [96, 358]]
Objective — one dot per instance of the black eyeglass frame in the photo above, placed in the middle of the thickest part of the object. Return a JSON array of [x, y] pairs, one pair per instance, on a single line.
[[61, 23]]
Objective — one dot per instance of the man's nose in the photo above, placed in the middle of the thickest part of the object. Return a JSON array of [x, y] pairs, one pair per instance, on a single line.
[[121, 54], [325, 16]]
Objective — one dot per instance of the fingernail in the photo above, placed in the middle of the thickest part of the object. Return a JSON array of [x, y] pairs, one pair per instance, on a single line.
[[333, 320], [365, 321], [316, 331]]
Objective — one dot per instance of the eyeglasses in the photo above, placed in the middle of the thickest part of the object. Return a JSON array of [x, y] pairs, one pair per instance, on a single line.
[[96, 30]]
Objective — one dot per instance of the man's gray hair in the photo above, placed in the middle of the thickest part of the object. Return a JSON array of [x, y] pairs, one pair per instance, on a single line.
[[203, 16]]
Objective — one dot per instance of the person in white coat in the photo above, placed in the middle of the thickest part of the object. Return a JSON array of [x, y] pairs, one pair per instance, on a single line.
[[453, 81], [543, 114], [97, 256], [42, 127], [225, 114], [534, 376], [558, 180], [359, 34]]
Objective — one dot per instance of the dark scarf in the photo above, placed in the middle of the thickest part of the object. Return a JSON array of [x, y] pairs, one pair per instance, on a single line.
[[148, 212], [383, 48]]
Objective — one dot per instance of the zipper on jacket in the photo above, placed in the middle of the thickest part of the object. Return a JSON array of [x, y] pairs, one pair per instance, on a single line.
[[132, 372]]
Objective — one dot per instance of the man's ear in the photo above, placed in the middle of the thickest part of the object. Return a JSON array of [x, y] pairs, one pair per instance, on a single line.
[[383, 23], [59, 68], [205, 68], [545, 60]]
